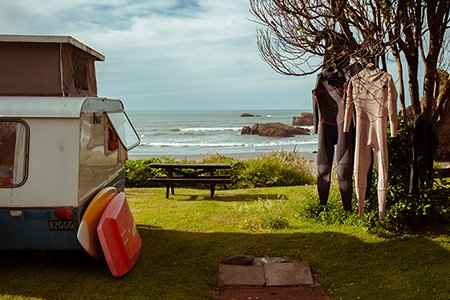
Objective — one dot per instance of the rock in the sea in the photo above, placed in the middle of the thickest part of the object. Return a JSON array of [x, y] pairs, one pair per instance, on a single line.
[[250, 115], [305, 119], [246, 130], [274, 130]]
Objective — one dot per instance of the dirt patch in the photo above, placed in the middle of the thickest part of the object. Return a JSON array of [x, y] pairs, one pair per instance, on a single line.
[[272, 293]]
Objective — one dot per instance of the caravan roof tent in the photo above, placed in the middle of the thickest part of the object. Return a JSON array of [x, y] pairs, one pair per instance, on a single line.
[[47, 66]]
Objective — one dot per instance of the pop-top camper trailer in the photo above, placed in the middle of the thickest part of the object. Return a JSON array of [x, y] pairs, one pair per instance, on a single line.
[[60, 144]]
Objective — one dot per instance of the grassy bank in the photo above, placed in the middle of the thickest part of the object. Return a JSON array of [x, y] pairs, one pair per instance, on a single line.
[[187, 236]]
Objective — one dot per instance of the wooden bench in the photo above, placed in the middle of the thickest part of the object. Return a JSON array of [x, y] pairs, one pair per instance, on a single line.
[[190, 174]]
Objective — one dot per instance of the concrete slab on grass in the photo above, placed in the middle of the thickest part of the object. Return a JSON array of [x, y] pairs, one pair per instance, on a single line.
[[241, 275], [266, 271], [288, 273]]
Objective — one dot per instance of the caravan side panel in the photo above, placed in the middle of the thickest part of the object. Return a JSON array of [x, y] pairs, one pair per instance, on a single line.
[[28, 213], [53, 166], [100, 165]]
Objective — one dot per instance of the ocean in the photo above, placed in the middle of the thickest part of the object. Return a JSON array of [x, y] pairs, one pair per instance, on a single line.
[[198, 133]]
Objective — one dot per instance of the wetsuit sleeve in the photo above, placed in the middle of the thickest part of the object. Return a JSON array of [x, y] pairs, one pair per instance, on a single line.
[[392, 107], [316, 104], [349, 107], [315, 111]]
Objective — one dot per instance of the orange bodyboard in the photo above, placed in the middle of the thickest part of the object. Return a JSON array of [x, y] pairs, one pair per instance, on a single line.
[[87, 231]]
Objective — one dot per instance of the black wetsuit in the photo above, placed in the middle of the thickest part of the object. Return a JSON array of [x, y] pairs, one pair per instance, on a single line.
[[328, 109], [424, 146]]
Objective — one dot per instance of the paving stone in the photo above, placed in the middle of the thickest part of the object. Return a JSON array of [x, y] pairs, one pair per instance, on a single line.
[[241, 275], [288, 273]]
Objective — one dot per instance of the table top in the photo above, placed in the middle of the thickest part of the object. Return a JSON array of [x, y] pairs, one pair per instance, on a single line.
[[191, 166]]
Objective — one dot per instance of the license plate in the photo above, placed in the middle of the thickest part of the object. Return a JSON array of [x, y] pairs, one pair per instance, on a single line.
[[62, 225]]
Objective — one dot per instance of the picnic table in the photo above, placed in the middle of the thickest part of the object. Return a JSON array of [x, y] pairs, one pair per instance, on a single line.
[[181, 173]]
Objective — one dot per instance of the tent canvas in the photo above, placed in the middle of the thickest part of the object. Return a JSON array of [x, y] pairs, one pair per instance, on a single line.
[[46, 66]]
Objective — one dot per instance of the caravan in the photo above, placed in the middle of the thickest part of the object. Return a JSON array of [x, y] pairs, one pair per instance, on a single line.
[[60, 144]]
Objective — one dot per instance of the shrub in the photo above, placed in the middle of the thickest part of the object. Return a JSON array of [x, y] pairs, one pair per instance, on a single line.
[[236, 168], [332, 213], [274, 169], [138, 171], [411, 211], [421, 210], [404, 211]]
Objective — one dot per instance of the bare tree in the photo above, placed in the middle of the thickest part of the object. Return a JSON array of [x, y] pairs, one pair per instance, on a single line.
[[299, 37]]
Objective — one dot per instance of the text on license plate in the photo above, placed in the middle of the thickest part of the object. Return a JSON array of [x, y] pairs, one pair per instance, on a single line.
[[62, 225]]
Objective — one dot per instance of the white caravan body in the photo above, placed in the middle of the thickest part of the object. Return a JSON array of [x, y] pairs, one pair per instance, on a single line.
[[65, 150]]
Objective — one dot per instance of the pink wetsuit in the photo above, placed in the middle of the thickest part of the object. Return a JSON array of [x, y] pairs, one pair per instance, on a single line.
[[372, 94]]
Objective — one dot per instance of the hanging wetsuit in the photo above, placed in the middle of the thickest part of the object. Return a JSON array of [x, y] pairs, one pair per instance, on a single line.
[[424, 146], [328, 111], [372, 94], [349, 72]]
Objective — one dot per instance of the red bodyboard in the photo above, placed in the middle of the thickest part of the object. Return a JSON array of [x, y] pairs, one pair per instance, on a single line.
[[118, 235]]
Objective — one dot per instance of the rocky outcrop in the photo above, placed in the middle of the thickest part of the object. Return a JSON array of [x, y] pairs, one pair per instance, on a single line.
[[246, 130], [305, 119], [274, 130], [244, 115]]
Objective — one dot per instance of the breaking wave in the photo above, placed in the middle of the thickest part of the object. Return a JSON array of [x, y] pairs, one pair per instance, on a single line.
[[227, 144], [198, 129]]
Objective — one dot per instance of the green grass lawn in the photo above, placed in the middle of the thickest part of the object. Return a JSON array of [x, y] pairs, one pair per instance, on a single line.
[[187, 236]]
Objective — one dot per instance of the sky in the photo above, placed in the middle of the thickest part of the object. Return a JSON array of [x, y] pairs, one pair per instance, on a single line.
[[167, 54]]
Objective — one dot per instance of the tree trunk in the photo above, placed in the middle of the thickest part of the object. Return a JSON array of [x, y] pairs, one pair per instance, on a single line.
[[413, 83], [401, 91], [430, 76], [428, 91]]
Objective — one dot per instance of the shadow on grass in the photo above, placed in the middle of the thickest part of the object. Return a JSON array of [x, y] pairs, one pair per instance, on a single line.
[[228, 197], [203, 194], [184, 265]]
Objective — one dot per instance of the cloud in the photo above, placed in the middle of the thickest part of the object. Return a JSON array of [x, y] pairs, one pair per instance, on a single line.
[[163, 51]]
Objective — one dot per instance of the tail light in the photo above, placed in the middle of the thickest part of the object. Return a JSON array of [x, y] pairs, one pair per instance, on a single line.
[[64, 213]]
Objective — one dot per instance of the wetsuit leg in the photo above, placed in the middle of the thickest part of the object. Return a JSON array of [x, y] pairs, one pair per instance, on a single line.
[[325, 153], [344, 168], [363, 161], [379, 142]]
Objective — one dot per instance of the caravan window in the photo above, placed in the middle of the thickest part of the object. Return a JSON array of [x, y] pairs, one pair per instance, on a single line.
[[127, 135], [13, 153], [112, 140]]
